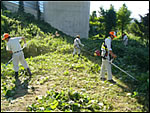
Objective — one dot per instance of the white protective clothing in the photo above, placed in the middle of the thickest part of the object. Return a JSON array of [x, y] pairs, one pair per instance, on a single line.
[[77, 44], [19, 57], [14, 46], [125, 40], [105, 62], [106, 66]]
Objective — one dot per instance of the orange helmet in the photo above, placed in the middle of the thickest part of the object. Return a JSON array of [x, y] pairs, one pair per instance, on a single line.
[[113, 33], [6, 35]]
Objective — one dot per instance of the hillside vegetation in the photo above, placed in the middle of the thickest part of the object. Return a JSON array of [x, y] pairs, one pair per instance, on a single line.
[[61, 82]]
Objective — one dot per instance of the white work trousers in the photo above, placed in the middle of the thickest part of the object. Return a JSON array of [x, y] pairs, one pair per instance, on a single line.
[[125, 42], [19, 57], [76, 50], [106, 66]]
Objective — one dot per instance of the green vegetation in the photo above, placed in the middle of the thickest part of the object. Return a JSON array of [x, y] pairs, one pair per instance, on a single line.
[[120, 22], [67, 101], [61, 82]]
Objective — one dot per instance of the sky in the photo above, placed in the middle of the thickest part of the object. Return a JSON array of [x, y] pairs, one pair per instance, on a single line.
[[136, 7]]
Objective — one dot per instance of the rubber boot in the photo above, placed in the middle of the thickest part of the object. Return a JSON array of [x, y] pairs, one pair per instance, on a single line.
[[17, 82], [29, 72], [79, 55], [16, 75]]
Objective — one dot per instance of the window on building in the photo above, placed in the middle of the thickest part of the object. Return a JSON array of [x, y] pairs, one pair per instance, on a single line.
[[30, 4], [41, 6], [15, 2]]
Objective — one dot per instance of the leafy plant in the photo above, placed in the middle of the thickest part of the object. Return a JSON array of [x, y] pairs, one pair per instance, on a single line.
[[65, 101]]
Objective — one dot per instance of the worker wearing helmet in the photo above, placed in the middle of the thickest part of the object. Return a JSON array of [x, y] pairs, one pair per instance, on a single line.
[[125, 39], [77, 44], [14, 47], [106, 56]]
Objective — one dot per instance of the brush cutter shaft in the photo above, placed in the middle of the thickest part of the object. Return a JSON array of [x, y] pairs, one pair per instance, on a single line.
[[9, 61], [122, 70], [86, 51]]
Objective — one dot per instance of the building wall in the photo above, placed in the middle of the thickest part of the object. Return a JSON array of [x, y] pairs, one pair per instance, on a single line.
[[27, 8], [71, 17], [11, 6]]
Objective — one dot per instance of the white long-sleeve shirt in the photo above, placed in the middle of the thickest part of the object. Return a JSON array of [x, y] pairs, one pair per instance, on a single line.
[[125, 38], [13, 44], [77, 43], [108, 44]]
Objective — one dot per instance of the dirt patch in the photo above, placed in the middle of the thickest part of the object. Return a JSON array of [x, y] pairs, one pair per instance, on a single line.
[[23, 98]]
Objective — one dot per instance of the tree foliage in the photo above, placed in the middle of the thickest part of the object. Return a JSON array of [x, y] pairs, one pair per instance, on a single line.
[[141, 28], [103, 24], [123, 18], [110, 20], [93, 24]]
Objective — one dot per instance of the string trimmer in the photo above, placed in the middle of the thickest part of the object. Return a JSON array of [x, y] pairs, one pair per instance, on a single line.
[[97, 53], [122, 70]]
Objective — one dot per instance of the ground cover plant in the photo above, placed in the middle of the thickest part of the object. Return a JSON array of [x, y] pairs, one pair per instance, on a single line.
[[61, 82]]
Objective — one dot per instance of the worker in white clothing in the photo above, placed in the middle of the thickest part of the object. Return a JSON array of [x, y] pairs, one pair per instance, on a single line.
[[77, 44], [125, 39], [14, 47], [106, 52]]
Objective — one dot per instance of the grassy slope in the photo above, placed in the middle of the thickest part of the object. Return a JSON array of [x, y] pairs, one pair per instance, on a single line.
[[57, 69], [60, 71]]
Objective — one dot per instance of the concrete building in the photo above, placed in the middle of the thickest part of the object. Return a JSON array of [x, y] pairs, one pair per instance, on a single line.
[[70, 17], [29, 6]]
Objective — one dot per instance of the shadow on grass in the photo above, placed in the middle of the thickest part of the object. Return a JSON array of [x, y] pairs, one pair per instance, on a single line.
[[19, 90]]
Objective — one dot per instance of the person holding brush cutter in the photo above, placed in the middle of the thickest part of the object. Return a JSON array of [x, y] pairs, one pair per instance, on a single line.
[[77, 44], [14, 47], [125, 39], [106, 57]]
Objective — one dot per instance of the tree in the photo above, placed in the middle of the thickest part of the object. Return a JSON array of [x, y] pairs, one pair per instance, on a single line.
[[123, 18], [102, 12], [93, 16], [108, 20], [21, 7], [93, 24], [101, 19], [141, 28]]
